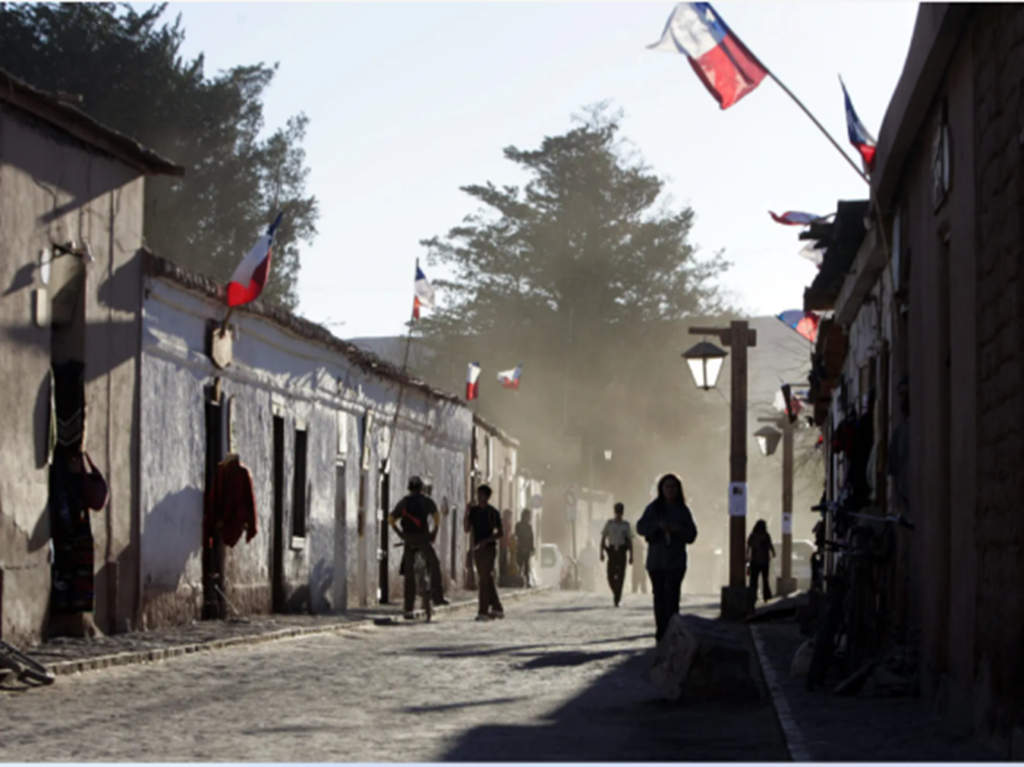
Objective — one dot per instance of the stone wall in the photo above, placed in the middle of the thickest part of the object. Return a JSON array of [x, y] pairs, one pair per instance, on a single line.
[[998, 121]]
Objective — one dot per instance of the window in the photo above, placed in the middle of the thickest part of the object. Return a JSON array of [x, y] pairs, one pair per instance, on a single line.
[[299, 487]]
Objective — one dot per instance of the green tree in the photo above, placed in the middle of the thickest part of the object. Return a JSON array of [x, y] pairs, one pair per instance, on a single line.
[[584, 274], [128, 68]]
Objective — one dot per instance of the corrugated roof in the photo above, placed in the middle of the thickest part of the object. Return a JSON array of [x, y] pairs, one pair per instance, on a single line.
[[162, 268], [46, 106]]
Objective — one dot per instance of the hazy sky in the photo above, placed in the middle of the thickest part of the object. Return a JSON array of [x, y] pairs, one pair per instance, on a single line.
[[409, 101]]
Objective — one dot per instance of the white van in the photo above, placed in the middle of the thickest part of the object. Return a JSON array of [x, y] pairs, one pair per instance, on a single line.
[[551, 566]]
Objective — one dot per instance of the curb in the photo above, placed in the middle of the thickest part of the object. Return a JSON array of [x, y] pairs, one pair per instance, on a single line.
[[63, 668], [791, 733]]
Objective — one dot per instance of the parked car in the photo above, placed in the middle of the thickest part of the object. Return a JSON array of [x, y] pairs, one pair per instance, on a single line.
[[553, 566]]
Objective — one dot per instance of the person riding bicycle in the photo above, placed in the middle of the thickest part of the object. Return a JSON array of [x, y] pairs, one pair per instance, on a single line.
[[414, 513]]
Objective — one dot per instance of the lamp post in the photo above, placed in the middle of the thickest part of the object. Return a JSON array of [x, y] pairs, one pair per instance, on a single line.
[[705, 362], [786, 583]]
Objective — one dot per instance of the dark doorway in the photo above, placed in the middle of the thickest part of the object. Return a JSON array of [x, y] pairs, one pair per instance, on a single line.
[[277, 543], [213, 546], [384, 494]]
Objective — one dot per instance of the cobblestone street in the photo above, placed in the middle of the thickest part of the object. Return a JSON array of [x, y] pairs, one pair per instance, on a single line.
[[563, 678]]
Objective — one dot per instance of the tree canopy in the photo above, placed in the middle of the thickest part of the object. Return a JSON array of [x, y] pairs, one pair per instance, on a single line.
[[583, 273], [128, 68]]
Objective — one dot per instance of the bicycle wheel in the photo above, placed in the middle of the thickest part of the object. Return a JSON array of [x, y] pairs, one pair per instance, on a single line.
[[826, 639], [23, 666]]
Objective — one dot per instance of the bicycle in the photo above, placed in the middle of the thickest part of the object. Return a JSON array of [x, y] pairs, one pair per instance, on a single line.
[[25, 668], [848, 626], [421, 575]]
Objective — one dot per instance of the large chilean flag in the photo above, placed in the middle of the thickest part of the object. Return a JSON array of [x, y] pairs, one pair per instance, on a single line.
[[728, 70], [251, 275]]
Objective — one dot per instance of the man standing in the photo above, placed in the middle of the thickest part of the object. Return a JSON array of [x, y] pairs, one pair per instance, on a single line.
[[524, 546], [617, 542], [484, 522], [414, 513]]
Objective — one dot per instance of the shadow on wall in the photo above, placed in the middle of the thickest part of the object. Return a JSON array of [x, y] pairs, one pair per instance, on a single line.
[[321, 581], [172, 534], [66, 173]]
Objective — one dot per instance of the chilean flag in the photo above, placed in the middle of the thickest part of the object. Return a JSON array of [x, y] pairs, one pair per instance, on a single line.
[[862, 141], [251, 275], [804, 323], [728, 70], [424, 293], [510, 378], [795, 218], [472, 375]]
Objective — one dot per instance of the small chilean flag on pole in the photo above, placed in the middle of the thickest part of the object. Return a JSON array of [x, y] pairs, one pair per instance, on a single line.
[[424, 293], [251, 275], [472, 375], [794, 218], [510, 378], [862, 141], [728, 70]]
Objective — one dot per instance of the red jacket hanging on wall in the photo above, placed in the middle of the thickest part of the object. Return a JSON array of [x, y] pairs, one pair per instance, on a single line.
[[230, 505]]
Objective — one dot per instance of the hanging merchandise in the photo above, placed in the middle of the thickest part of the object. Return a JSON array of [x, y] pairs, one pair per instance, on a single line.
[[230, 504]]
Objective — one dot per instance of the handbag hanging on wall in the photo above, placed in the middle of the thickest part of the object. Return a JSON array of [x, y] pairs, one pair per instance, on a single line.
[[95, 492]]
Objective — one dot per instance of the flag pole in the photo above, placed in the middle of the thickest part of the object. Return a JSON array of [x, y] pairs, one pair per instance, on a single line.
[[820, 127], [874, 201], [224, 324], [401, 380]]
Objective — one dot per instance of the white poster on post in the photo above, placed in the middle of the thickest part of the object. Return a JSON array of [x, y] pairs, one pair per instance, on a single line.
[[737, 499], [787, 524]]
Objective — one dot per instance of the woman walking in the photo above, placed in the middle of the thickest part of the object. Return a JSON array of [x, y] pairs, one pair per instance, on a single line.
[[759, 556], [667, 525]]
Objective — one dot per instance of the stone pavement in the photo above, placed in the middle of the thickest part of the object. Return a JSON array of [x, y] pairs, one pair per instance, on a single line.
[[821, 726], [67, 655], [564, 677]]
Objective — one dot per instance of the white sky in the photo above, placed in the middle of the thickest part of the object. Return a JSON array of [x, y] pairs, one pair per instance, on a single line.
[[409, 101]]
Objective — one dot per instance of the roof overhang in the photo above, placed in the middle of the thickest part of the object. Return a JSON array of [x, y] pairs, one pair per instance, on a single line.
[[50, 109]]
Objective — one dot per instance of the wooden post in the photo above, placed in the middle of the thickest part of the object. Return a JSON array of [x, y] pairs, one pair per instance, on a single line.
[[787, 583], [738, 336], [738, 456]]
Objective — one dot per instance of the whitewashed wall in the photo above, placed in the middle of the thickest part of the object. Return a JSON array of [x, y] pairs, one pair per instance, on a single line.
[[312, 387]]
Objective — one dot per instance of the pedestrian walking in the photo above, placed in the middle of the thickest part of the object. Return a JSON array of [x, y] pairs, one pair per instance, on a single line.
[[617, 543], [759, 556], [411, 521], [484, 522], [588, 566], [668, 526], [639, 571], [525, 546]]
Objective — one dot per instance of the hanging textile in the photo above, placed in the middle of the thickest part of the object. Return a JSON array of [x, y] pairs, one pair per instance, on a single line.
[[230, 504]]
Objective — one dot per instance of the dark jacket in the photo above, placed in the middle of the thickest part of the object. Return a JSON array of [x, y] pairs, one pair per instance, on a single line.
[[666, 551]]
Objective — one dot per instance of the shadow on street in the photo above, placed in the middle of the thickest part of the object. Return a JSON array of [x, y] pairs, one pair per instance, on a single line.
[[622, 717]]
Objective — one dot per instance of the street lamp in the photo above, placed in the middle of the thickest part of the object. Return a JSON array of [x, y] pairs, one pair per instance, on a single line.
[[705, 361], [768, 439]]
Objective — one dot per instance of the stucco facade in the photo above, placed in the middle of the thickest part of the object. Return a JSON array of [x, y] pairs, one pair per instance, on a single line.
[[66, 181], [358, 459]]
